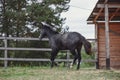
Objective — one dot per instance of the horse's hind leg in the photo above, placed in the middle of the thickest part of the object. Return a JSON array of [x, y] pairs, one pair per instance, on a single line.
[[53, 55], [75, 57], [79, 57]]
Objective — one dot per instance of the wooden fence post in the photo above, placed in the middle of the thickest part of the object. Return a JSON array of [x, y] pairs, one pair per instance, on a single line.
[[107, 41], [5, 53], [96, 46], [68, 58]]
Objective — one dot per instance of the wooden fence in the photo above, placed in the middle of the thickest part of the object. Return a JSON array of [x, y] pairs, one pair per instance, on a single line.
[[5, 48]]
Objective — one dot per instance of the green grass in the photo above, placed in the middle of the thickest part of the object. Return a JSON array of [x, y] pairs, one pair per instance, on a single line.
[[57, 73]]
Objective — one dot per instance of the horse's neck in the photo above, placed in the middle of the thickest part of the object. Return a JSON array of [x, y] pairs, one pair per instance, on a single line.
[[50, 34]]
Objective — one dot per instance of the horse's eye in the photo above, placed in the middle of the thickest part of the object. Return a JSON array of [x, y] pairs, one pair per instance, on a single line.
[[41, 30]]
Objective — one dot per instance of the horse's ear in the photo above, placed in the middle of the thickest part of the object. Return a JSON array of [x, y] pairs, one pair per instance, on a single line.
[[41, 25]]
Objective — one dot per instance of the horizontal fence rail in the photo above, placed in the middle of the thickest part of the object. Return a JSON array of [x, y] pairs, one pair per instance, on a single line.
[[23, 49], [5, 48], [44, 60]]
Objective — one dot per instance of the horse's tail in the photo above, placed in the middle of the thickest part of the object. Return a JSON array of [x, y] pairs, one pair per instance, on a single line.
[[87, 45]]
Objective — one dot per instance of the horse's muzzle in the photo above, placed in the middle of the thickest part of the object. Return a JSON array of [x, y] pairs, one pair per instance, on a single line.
[[40, 38]]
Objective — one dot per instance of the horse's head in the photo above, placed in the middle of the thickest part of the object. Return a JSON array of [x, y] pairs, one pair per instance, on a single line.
[[42, 32], [47, 30], [88, 48]]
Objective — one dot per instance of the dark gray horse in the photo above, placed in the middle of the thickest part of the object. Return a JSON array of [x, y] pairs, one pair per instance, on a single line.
[[72, 41]]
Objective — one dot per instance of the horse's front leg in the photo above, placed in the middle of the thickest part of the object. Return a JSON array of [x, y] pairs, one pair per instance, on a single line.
[[53, 55]]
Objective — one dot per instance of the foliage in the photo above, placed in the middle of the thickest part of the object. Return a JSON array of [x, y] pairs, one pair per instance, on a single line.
[[17, 15], [21, 17], [13, 19]]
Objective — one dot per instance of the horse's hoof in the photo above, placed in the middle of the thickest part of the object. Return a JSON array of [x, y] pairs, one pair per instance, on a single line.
[[71, 65], [56, 64], [77, 68]]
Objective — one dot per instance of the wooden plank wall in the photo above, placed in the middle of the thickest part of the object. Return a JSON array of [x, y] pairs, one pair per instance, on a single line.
[[101, 46], [114, 45]]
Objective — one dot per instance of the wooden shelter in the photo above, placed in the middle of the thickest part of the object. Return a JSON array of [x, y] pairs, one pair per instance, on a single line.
[[106, 17]]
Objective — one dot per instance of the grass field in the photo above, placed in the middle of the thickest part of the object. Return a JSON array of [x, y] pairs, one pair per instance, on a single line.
[[57, 73]]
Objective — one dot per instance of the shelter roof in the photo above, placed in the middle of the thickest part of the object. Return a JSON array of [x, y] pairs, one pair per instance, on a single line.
[[98, 14]]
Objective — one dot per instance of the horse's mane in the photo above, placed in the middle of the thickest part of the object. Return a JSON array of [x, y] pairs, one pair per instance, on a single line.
[[49, 28]]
